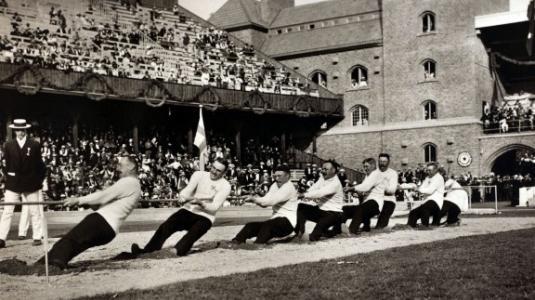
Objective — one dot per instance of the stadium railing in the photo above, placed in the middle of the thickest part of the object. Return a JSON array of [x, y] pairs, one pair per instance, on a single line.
[[482, 189]]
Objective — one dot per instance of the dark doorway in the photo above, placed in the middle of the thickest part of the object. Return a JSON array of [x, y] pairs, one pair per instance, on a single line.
[[507, 163]]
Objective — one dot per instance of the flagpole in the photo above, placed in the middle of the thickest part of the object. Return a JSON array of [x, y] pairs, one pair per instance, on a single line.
[[200, 140], [202, 163]]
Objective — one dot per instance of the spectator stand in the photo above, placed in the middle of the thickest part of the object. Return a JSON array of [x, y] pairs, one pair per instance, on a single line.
[[514, 114]]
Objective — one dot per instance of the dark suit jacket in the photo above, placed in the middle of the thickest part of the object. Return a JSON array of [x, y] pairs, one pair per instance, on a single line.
[[25, 169]]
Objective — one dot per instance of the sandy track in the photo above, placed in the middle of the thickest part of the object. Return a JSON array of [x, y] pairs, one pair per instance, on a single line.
[[149, 273]]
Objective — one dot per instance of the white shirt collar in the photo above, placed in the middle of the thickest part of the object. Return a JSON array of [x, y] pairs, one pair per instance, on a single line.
[[21, 142]]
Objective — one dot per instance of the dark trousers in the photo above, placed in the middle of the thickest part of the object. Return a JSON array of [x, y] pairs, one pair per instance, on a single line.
[[183, 219], [264, 231], [386, 213], [423, 212], [324, 219], [451, 210], [361, 214], [93, 231]]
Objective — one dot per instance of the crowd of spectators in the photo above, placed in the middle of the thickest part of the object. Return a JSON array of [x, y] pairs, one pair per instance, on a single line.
[[129, 41], [509, 117], [165, 168]]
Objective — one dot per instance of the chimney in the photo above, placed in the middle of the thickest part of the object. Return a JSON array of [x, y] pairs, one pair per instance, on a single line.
[[269, 9]]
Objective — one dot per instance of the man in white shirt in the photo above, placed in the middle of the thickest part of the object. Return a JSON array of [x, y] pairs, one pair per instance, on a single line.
[[455, 200], [99, 228], [391, 184], [326, 197], [282, 197], [204, 195], [372, 189], [432, 189]]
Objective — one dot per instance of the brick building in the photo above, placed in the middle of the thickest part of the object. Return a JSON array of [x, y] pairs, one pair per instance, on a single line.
[[415, 74]]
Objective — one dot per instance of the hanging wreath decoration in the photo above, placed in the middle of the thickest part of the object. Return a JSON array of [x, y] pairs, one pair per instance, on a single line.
[[30, 79], [87, 80], [265, 104], [155, 103], [159, 89], [27, 80], [211, 93]]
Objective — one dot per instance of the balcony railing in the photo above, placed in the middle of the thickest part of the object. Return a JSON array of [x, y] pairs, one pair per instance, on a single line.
[[29, 79], [512, 126]]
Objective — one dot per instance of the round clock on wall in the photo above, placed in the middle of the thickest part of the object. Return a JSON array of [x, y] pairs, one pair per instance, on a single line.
[[464, 159]]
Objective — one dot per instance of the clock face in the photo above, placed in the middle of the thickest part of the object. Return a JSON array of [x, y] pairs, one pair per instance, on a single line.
[[464, 159]]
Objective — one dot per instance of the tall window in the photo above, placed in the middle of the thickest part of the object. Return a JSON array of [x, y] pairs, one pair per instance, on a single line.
[[359, 115], [430, 110], [430, 152], [319, 78], [359, 77], [430, 69], [428, 22]]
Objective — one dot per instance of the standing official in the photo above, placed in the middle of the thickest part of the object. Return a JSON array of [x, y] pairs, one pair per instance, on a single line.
[[391, 184], [432, 189], [327, 197], [204, 195], [282, 196], [25, 172]]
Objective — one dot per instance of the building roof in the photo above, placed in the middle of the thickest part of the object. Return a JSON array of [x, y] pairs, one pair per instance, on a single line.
[[323, 10], [324, 38], [238, 13]]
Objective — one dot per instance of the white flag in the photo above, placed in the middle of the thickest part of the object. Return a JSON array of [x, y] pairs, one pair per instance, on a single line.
[[200, 141]]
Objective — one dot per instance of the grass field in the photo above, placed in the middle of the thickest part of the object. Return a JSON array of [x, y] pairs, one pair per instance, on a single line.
[[487, 266]]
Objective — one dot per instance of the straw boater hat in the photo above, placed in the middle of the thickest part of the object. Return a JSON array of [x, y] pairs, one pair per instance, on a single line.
[[20, 124]]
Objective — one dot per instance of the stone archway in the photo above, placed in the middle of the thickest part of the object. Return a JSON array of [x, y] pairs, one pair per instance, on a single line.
[[492, 159]]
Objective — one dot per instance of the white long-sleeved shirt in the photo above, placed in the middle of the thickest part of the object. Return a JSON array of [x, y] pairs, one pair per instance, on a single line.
[[117, 201], [283, 200], [433, 189], [374, 184], [391, 184], [330, 194], [202, 186], [456, 194]]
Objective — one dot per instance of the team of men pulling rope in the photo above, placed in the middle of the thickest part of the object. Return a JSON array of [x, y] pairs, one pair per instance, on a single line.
[[207, 191]]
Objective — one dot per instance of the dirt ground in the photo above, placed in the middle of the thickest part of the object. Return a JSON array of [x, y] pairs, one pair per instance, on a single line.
[[95, 273]]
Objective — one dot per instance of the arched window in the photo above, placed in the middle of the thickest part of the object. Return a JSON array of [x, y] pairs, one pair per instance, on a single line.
[[428, 22], [430, 152], [319, 78], [430, 69], [359, 115], [430, 110], [359, 77]]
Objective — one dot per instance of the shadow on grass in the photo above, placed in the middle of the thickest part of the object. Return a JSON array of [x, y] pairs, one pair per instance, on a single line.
[[497, 266], [18, 267]]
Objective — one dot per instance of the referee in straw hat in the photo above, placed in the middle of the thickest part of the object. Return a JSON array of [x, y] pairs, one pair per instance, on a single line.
[[25, 172], [282, 196], [99, 228]]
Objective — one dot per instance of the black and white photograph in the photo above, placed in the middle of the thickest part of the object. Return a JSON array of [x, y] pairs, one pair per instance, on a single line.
[[267, 149]]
